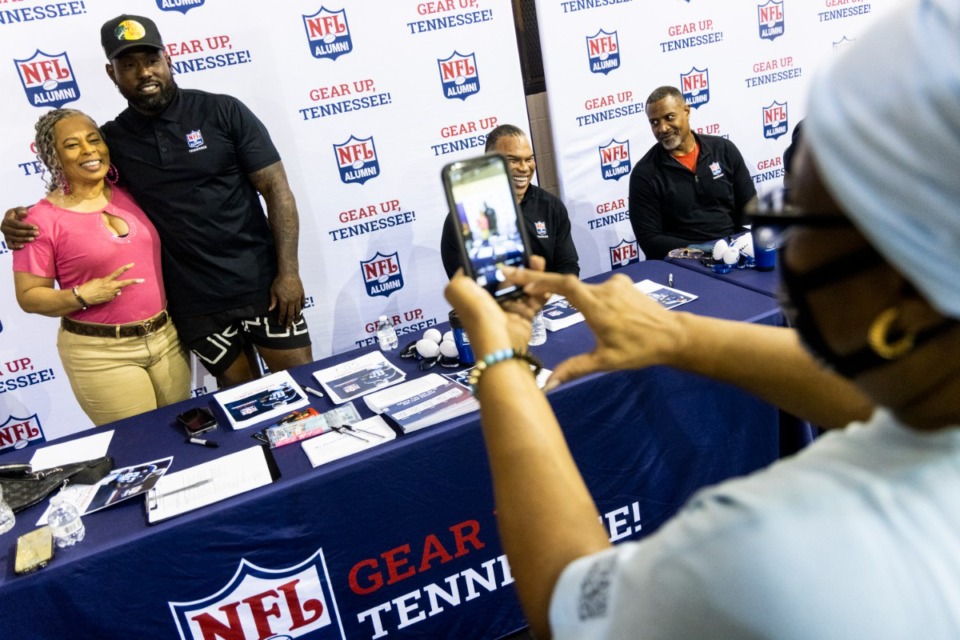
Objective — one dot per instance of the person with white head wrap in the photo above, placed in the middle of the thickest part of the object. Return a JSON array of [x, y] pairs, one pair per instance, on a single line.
[[858, 535], [891, 157]]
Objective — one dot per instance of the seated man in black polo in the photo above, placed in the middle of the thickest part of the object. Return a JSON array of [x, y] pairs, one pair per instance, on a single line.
[[545, 217], [688, 188]]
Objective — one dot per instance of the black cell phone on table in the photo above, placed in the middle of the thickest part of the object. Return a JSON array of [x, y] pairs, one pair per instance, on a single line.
[[491, 231], [196, 421]]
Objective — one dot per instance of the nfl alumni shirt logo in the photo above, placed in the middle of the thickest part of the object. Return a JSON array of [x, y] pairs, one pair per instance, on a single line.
[[775, 120], [458, 75], [265, 603], [541, 228], [328, 33], [603, 52], [48, 79], [716, 170], [615, 160], [770, 19], [695, 87], [623, 254], [195, 140], [357, 160], [382, 274], [17, 433]]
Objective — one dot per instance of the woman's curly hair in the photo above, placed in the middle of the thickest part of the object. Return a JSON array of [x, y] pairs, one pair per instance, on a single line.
[[47, 147]]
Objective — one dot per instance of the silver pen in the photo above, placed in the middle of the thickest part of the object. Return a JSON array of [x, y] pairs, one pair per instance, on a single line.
[[200, 483]]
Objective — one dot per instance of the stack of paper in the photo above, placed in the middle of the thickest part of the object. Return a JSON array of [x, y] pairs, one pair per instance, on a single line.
[[334, 445], [423, 402], [558, 314]]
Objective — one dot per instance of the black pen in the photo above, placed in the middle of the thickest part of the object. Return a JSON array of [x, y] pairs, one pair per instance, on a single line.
[[347, 431], [203, 443], [353, 428]]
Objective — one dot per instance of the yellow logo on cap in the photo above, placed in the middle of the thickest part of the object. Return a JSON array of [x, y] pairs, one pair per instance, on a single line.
[[129, 30]]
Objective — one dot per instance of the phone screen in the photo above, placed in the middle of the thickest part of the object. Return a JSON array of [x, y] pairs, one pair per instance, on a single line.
[[485, 209], [197, 420]]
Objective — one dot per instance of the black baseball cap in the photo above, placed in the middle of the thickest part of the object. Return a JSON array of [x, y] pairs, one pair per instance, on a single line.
[[125, 32]]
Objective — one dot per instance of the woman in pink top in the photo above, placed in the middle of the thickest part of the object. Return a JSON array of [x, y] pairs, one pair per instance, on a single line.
[[121, 353]]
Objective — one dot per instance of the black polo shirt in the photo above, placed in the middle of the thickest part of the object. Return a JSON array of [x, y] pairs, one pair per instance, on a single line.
[[671, 206], [548, 228], [187, 168]]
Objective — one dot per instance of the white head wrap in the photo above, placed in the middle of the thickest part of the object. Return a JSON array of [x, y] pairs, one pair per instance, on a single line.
[[884, 125]]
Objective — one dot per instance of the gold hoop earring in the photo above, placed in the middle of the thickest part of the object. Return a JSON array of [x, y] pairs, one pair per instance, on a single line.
[[879, 339]]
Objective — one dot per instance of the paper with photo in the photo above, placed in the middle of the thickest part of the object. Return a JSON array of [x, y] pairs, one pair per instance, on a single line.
[[262, 399], [668, 297], [358, 377]]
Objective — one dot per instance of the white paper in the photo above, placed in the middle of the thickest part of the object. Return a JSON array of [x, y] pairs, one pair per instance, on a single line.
[[79, 450], [207, 483], [262, 399], [358, 377], [333, 445]]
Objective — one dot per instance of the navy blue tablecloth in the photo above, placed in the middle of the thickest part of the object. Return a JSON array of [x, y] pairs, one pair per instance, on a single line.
[[399, 540], [765, 282]]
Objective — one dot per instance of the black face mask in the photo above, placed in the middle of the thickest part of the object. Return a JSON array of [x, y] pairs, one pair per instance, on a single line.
[[797, 309]]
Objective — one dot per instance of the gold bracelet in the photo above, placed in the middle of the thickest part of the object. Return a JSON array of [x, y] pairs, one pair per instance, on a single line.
[[501, 355], [83, 303]]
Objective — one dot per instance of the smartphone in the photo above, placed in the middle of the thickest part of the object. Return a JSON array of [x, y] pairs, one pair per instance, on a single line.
[[196, 421], [492, 234], [34, 550]]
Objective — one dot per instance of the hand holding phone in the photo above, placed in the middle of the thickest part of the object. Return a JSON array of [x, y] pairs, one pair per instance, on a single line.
[[491, 231]]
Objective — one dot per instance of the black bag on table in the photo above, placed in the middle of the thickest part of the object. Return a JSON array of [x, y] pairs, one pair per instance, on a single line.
[[24, 488]]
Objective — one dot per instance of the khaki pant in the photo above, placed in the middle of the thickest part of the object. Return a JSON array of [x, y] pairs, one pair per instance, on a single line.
[[116, 378]]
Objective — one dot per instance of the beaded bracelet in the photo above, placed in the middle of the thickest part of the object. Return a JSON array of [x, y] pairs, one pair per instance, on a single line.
[[81, 301], [501, 355]]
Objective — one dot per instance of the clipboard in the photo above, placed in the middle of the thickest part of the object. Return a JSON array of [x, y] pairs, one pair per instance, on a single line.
[[208, 483]]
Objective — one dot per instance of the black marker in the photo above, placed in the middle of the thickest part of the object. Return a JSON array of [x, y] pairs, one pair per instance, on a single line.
[[203, 443]]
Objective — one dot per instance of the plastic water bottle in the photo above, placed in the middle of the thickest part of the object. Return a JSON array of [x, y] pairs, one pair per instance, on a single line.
[[7, 519], [65, 523], [386, 334], [538, 334]]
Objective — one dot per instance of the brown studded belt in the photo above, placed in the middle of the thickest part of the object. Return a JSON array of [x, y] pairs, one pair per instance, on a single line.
[[132, 330]]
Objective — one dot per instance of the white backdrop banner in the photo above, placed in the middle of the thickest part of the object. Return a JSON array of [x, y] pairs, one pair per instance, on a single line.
[[366, 101], [744, 66]]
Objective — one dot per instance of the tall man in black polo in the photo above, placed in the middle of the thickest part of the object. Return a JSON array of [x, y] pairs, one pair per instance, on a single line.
[[194, 161], [545, 217], [688, 188]]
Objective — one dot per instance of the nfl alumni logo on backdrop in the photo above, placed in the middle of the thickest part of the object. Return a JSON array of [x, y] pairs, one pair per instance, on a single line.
[[328, 33], [615, 160], [770, 19], [179, 5], [47, 79], [458, 75], [17, 433], [695, 87], [775, 120], [382, 274], [627, 252], [603, 51], [843, 43], [357, 160], [265, 603]]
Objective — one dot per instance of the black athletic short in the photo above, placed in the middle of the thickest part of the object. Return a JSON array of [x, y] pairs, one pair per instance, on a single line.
[[219, 338]]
